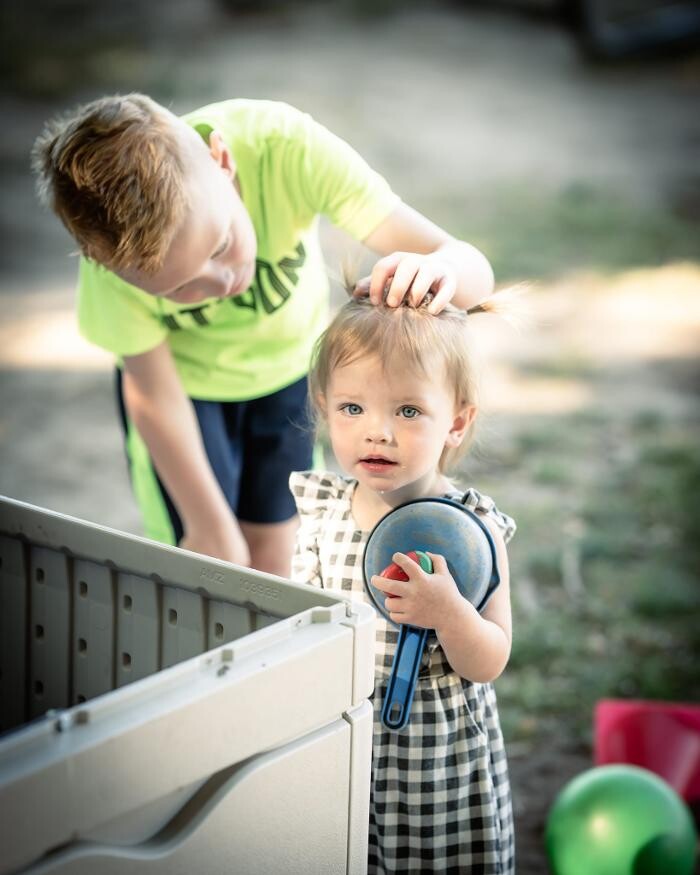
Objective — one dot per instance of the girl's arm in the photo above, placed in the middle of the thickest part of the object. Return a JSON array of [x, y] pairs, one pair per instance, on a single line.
[[420, 257], [477, 646]]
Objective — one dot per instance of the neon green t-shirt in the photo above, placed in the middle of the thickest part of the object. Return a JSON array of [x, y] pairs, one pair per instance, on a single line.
[[291, 170]]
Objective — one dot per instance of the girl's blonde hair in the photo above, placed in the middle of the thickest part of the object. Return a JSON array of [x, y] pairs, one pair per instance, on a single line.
[[410, 338]]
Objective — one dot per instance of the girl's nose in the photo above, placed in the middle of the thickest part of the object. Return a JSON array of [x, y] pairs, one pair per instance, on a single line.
[[378, 433]]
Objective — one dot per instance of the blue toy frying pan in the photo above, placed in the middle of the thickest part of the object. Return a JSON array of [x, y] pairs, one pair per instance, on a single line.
[[435, 525]]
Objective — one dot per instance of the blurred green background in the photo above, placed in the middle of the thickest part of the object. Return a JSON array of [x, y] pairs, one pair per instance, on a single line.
[[574, 174]]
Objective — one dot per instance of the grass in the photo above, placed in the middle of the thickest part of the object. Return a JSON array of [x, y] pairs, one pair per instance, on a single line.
[[605, 563], [626, 625], [543, 233]]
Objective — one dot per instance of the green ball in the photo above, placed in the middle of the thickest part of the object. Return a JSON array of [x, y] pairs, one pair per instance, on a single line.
[[620, 820]]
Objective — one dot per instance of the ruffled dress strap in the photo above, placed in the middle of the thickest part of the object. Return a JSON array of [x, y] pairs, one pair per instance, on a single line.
[[475, 501], [316, 491], [321, 498]]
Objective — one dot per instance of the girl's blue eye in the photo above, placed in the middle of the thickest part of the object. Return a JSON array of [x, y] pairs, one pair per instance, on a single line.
[[409, 412], [352, 409]]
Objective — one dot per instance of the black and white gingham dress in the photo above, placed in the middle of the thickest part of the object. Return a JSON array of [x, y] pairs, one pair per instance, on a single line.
[[440, 798]]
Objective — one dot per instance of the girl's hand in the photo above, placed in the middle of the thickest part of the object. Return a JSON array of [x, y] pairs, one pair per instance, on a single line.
[[424, 600], [412, 276]]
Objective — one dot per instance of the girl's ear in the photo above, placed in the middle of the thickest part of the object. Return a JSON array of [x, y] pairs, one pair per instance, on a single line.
[[463, 421], [321, 403], [220, 152]]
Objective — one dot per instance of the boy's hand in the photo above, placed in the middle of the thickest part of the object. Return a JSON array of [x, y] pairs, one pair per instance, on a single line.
[[412, 276], [224, 542], [424, 600]]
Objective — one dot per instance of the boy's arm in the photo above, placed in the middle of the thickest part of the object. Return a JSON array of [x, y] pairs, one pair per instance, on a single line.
[[418, 257], [164, 416]]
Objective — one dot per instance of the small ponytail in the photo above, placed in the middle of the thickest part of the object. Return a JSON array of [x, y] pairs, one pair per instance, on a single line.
[[508, 304]]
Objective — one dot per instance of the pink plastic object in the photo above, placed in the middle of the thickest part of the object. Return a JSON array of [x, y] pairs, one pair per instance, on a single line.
[[663, 737]]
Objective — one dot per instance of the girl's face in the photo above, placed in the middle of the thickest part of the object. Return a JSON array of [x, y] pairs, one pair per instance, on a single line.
[[388, 427]]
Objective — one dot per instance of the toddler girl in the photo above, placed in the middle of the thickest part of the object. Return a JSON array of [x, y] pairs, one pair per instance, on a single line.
[[395, 388]]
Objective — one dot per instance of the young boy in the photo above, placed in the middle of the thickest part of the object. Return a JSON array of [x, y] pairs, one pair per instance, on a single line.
[[202, 272]]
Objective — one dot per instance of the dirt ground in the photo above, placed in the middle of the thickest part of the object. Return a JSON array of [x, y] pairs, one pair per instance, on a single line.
[[463, 110]]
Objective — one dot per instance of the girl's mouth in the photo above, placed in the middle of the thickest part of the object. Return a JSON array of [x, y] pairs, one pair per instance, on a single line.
[[376, 463]]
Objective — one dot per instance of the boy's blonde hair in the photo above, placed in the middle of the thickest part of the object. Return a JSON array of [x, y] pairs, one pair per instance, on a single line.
[[405, 337], [113, 172]]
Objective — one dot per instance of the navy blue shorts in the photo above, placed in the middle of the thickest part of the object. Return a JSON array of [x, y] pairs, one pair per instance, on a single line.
[[252, 447]]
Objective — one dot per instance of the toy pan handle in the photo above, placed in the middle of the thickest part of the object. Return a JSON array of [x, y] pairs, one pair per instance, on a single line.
[[404, 670], [404, 674]]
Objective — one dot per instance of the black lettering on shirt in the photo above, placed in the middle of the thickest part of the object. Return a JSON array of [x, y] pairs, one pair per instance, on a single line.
[[185, 318], [269, 288], [198, 314], [273, 284], [288, 264]]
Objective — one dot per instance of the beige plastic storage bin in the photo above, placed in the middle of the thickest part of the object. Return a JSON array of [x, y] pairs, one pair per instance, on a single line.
[[167, 713]]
